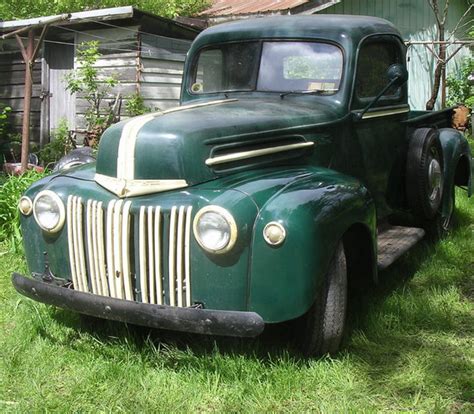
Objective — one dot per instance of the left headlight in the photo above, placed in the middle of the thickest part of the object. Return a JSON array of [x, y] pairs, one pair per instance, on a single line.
[[215, 229], [49, 212]]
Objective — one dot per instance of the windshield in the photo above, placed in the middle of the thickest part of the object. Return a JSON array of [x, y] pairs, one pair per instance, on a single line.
[[268, 66]]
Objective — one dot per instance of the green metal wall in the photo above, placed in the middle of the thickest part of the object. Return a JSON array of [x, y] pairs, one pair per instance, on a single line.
[[416, 21]]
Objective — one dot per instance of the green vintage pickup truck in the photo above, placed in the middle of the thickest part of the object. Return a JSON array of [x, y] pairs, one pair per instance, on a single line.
[[293, 169]]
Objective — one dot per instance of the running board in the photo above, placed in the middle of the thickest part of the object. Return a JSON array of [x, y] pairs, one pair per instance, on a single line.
[[393, 241]]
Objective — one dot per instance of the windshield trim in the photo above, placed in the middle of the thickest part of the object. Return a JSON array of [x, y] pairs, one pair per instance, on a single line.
[[260, 41]]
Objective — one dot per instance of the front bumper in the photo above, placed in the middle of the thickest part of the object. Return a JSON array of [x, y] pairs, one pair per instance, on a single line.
[[202, 321]]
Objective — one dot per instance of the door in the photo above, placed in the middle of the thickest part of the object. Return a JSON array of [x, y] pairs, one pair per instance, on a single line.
[[60, 60], [381, 134]]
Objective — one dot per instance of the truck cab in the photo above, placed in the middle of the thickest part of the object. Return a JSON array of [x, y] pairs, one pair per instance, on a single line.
[[293, 169]]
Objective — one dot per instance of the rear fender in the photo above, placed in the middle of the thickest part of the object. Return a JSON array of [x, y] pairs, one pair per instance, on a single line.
[[455, 150], [315, 211]]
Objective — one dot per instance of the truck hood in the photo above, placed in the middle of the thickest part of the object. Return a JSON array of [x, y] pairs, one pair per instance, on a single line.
[[192, 144]]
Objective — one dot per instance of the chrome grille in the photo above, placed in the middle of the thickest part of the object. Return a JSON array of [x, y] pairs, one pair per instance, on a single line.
[[105, 259]]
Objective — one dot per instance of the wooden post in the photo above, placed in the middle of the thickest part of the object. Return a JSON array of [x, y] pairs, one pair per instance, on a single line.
[[29, 56], [25, 132]]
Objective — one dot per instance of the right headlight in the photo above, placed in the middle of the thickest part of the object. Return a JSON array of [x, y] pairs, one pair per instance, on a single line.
[[49, 212], [215, 229]]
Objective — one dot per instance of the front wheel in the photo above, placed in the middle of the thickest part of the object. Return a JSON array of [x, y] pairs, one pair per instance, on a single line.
[[323, 326]]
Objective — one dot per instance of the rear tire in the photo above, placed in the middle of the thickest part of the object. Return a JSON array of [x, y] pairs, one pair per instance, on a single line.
[[323, 326], [424, 173], [440, 226]]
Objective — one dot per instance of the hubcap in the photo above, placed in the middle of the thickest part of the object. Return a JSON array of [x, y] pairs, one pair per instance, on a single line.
[[434, 179]]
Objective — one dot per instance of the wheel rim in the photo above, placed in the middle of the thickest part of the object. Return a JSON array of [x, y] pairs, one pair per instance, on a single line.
[[435, 180]]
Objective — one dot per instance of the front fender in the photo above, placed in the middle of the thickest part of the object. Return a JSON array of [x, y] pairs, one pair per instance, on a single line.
[[454, 146], [316, 211]]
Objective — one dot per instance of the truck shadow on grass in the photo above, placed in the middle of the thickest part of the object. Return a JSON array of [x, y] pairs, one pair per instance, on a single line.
[[403, 317]]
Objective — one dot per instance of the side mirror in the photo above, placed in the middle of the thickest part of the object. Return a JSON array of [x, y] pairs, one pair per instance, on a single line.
[[397, 74]]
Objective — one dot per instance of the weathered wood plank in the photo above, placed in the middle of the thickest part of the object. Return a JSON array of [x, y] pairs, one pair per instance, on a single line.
[[122, 74], [17, 103], [17, 91], [18, 77], [160, 78], [159, 64], [157, 91], [166, 43], [161, 104], [162, 71]]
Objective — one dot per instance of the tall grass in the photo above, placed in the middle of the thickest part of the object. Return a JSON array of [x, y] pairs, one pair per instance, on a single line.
[[411, 349], [11, 189]]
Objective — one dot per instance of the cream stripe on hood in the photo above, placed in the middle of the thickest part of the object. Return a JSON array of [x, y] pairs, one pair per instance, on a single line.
[[128, 138]]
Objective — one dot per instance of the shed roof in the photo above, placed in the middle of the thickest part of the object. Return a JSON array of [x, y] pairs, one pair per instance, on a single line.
[[242, 7], [126, 13]]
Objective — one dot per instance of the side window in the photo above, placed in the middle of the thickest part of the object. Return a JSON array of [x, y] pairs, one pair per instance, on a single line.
[[374, 60]]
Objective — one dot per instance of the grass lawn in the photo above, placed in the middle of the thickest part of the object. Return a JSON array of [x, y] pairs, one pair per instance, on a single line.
[[411, 348]]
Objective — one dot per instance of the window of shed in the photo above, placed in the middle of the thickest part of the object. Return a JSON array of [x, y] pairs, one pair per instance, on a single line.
[[374, 60]]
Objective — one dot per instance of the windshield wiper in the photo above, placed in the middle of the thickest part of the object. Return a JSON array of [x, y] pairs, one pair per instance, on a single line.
[[308, 92]]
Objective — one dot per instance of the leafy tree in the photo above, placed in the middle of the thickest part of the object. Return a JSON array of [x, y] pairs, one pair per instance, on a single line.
[[85, 80], [10, 10]]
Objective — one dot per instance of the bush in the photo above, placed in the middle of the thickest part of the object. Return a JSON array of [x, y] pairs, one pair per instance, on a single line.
[[4, 123], [459, 89], [10, 192], [135, 105], [61, 143]]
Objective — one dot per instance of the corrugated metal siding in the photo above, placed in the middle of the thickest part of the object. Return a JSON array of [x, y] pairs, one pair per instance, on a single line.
[[415, 20], [161, 70]]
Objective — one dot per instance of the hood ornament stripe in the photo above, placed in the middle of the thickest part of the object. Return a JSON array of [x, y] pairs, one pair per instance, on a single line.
[[125, 184], [243, 155], [129, 188]]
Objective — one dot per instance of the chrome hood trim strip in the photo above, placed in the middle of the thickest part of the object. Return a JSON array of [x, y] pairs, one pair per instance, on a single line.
[[243, 155]]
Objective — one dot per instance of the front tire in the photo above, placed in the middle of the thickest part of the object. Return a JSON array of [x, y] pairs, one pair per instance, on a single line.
[[323, 326]]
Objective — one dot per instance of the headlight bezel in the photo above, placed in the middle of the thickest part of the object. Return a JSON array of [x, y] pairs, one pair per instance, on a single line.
[[29, 208], [227, 217], [62, 211]]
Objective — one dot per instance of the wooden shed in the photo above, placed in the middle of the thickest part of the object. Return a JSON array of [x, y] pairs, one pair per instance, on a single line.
[[144, 52]]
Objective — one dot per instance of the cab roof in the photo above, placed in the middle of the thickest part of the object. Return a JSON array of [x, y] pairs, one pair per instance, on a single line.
[[337, 28]]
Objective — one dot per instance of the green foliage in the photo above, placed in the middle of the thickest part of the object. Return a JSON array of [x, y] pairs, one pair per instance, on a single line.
[[459, 90], [10, 10], [61, 143], [135, 105], [10, 192], [4, 123], [85, 80]]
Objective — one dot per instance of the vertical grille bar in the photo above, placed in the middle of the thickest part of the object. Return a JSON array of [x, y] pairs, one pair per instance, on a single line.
[[90, 249], [142, 254], [151, 256], [110, 248], [127, 276], [118, 270], [80, 245], [101, 250], [179, 256], [172, 257], [187, 257], [70, 239], [158, 255], [95, 247]]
